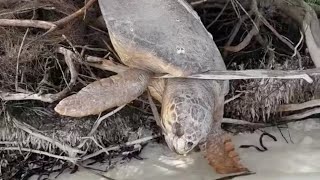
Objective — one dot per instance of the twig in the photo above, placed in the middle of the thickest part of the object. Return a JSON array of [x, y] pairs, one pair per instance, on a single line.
[[235, 31], [198, 2], [96, 142], [253, 74], [18, 60], [27, 23], [218, 16], [236, 8], [233, 98], [297, 46], [99, 121], [155, 112], [27, 8], [50, 26], [295, 107], [69, 56], [301, 115], [73, 160], [8, 142], [9, 96], [76, 14], [254, 7], [241, 122], [262, 125], [112, 50], [246, 41], [114, 148]]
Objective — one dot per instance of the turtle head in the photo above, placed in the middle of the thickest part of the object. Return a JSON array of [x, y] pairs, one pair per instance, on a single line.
[[186, 122]]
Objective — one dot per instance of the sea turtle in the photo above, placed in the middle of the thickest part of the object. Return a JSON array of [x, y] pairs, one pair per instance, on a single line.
[[164, 36]]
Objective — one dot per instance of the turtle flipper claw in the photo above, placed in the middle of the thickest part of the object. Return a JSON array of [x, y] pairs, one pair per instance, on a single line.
[[221, 154]]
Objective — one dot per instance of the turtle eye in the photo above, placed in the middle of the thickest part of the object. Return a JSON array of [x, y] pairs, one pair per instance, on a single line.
[[177, 129]]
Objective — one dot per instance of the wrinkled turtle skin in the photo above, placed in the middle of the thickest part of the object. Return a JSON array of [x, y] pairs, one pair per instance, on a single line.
[[164, 36]]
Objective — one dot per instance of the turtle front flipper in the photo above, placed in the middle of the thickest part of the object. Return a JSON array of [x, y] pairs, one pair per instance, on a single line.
[[105, 93], [221, 154]]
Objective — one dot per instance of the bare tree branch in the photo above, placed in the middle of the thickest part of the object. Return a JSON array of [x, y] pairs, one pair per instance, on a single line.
[[302, 115], [50, 26], [246, 41], [295, 107]]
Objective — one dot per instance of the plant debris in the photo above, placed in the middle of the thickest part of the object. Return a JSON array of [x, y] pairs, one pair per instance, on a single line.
[[40, 65]]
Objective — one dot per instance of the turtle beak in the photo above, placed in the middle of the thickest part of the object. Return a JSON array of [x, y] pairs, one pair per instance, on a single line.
[[178, 145]]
